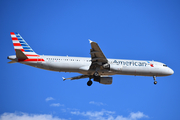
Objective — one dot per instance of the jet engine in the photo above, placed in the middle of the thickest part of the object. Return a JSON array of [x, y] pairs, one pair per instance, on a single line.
[[104, 80], [106, 66]]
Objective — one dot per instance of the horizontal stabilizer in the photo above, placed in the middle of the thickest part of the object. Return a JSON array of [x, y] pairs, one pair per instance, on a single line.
[[20, 54], [12, 61]]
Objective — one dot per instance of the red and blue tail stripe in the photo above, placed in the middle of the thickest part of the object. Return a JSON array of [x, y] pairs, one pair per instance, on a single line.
[[20, 44]]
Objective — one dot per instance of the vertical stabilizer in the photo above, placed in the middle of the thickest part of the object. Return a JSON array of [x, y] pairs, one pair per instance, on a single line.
[[23, 51], [20, 44]]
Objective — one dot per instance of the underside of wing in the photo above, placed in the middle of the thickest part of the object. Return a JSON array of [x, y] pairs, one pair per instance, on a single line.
[[97, 57], [76, 77], [96, 53]]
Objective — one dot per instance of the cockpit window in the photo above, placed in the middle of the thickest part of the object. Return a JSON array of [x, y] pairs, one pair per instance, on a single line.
[[165, 65]]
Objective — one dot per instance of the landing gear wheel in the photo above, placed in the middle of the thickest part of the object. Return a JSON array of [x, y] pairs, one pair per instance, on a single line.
[[89, 83], [96, 74], [155, 82]]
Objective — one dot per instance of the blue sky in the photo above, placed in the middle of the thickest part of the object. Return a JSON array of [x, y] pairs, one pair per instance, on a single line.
[[124, 29]]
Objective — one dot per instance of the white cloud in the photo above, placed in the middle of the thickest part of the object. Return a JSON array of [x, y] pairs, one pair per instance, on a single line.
[[137, 115], [56, 104], [25, 116], [109, 115], [49, 98], [96, 114], [91, 115], [96, 103]]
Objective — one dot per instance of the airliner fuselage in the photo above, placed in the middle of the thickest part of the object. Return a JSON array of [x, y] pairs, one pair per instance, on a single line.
[[82, 64], [97, 67]]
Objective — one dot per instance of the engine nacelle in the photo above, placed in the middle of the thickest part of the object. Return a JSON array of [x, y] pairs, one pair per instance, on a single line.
[[104, 80], [106, 66]]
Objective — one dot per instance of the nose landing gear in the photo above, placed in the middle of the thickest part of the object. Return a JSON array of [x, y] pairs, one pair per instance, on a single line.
[[155, 82]]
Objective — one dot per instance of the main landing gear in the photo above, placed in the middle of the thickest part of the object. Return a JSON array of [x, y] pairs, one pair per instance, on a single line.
[[155, 82], [89, 83], [95, 75]]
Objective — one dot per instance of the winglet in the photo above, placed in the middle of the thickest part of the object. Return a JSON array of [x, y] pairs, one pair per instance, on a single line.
[[64, 78], [90, 41]]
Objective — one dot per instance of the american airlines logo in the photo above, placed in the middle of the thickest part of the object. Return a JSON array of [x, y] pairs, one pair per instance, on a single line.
[[132, 63]]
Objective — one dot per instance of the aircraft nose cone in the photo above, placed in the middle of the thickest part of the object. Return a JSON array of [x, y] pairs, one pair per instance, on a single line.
[[170, 71]]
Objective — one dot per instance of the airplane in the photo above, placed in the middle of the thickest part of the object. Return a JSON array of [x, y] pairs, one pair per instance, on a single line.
[[98, 67]]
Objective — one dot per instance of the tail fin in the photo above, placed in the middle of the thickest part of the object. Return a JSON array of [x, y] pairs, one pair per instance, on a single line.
[[21, 46], [24, 53]]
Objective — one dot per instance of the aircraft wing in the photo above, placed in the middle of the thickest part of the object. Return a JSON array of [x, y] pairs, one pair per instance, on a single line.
[[97, 56], [77, 77]]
